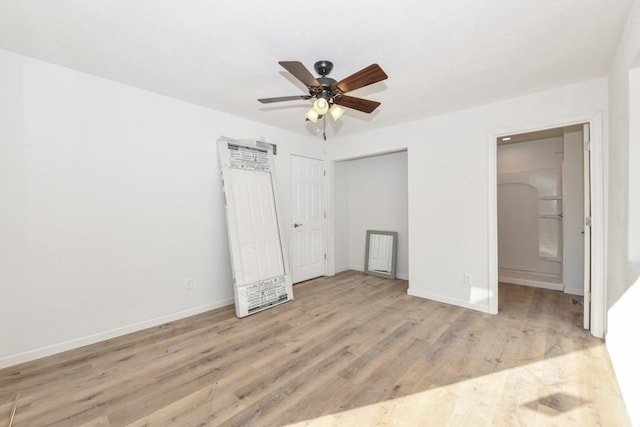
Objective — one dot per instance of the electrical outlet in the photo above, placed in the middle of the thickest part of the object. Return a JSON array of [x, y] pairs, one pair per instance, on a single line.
[[468, 280], [189, 284]]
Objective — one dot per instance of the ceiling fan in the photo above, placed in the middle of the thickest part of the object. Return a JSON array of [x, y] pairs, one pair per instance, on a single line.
[[329, 94]]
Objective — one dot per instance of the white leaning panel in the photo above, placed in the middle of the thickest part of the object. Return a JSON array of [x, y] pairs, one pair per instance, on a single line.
[[260, 271]]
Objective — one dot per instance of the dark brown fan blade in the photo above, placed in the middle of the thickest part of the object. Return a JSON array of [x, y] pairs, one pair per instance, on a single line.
[[300, 72], [359, 104], [372, 74], [284, 98]]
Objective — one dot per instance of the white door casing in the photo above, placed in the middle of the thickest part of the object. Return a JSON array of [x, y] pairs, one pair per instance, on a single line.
[[308, 202], [587, 224]]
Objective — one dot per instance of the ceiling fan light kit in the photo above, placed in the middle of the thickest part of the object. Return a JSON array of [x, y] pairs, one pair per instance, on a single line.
[[328, 93]]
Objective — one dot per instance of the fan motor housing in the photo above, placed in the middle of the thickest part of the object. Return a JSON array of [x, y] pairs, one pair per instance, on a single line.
[[324, 90], [326, 82]]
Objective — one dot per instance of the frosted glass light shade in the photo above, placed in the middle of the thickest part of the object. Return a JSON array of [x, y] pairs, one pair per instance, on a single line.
[[336, 111], [312, 115], [321, 106]]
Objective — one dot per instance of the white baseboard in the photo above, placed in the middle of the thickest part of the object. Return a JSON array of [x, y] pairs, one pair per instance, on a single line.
[[447, 300], [574, 291], [361, 268], [534, 283], [341, 269], [27, 356]]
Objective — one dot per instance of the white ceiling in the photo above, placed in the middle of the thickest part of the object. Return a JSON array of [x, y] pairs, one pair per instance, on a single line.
[[440, 55]]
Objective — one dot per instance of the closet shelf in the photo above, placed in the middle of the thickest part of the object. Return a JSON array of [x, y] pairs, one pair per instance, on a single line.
[[550, 198], [554, 216], [552, 258]]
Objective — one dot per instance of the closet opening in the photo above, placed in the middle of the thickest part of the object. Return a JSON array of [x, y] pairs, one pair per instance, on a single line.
[[370, 193]]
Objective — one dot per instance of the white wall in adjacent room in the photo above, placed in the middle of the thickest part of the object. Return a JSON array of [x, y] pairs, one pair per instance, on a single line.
[[523, 156], [111, 199]]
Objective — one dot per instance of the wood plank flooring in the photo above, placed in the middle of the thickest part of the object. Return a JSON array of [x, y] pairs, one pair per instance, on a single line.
[[351, 350]]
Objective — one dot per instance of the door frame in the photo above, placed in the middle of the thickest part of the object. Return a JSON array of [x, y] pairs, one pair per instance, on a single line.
[[586, 213], [598, 211], [291, 207]]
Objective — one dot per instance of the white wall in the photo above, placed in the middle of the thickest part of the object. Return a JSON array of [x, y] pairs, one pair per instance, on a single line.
[[634, 161], [110, 199], [375, 191], [448, 183], [623, 270], [341, 215]]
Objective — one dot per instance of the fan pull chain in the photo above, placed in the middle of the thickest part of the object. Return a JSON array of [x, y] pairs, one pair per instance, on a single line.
[[324, 127]]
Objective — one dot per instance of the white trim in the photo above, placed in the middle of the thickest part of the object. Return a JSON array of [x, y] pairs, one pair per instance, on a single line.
[[330, 222], [598, 213], [446, 300], [598, 258], [534, 283], [574, 291], [492, 225], [361, 270], [37, 353]]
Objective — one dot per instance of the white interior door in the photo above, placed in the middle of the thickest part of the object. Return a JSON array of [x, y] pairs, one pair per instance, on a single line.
[[259, 254], [259, 266], [587, 225], [308, 219]]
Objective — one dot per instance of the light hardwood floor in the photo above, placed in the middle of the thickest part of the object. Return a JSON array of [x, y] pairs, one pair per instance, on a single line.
[[350, 350]]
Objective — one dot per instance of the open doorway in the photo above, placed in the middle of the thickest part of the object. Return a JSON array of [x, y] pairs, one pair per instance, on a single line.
[[543, 210]]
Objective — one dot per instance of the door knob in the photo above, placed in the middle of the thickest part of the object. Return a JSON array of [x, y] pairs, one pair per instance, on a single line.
[[297, 225]]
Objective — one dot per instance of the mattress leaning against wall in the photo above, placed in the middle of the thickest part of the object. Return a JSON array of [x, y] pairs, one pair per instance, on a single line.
[[260, 270]]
